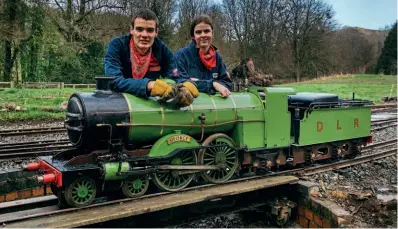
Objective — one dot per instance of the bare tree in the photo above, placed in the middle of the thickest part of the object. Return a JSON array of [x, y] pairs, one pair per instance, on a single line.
[[305, 22], [72, 18]]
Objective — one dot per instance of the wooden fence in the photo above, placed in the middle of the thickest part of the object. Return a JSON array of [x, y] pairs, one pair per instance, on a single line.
[[41, 85]]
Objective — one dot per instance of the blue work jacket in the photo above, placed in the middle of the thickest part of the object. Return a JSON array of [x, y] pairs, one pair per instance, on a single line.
[[189, 66], [118, 63]]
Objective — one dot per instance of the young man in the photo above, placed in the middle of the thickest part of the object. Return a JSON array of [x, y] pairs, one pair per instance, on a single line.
[[200, 63], [139, 58]]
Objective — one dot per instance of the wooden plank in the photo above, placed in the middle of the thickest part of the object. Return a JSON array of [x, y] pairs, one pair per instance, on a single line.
[[17, 203], [100, 214]]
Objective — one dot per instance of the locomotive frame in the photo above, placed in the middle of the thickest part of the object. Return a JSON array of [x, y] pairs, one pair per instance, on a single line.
[[212, 140]]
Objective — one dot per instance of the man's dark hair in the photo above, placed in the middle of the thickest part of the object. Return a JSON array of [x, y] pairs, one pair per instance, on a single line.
[[145, 14], [202, 18]]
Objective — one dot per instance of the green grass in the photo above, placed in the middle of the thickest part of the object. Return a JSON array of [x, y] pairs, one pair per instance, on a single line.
[[35, 104], [370, 87]]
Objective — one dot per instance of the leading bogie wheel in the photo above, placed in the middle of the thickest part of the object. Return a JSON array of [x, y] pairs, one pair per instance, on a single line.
[[135, 186], [222, 153], [171, 180], [81, 192]]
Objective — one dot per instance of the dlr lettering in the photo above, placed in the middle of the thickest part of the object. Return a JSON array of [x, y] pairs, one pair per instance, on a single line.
[[338, 125], [320, 127], [356, 123]]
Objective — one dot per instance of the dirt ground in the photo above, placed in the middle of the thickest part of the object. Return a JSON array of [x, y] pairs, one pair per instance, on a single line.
[[368, 191]]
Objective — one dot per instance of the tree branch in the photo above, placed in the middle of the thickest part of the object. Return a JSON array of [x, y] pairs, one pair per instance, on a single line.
[[94, 9]]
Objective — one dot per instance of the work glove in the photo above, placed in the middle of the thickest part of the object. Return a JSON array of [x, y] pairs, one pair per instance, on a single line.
[[164, 90], [185, 97], [191, 88]]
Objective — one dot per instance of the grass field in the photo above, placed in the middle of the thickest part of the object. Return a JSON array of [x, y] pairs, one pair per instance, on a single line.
[[45, 104], [371, 87], [34, 104]]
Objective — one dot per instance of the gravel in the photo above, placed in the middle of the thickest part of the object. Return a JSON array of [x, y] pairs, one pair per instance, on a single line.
[[18, 164], [31, 124], [244, 219], [385, 134]]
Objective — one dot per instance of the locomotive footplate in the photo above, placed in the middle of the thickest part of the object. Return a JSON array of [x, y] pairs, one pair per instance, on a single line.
[[64, 175]]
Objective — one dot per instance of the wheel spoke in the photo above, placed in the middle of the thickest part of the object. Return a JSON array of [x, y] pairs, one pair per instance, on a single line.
[[210, 155], [170, 181], [221, 151]]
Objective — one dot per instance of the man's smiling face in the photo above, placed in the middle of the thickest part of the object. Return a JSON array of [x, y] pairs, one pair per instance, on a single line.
[[144, 33]]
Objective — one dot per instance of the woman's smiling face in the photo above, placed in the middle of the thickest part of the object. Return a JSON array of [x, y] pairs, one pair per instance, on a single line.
[[203, 35]]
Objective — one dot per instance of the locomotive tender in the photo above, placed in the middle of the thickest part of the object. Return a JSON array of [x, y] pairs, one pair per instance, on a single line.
[[124, 142]]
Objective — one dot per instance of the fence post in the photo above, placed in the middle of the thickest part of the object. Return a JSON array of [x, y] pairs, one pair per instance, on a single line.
[[11, 84], [74, 87], [88, 86], [62, 85], [392, 89]]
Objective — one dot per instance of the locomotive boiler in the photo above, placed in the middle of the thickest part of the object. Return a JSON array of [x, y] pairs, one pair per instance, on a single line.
[[96, 118], [126, 142]]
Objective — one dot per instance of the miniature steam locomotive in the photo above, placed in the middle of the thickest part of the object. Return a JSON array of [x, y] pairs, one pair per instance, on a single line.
[[124, 142]]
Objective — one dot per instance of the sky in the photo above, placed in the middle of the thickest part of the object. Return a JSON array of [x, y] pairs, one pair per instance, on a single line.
[[369, 14]]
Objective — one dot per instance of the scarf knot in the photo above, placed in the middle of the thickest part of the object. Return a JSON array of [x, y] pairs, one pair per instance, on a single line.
[[140, 63], [209, 58]]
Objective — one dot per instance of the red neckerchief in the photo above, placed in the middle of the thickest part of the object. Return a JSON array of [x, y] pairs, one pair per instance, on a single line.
[[209, 58], [141, 63]]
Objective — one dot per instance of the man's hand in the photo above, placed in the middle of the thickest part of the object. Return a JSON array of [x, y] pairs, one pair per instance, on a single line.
[[179, 94], [222, 89], [185, 97], [163, 90]]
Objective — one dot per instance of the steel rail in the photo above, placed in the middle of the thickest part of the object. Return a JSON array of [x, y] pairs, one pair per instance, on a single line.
[[35, 146], [27, 155], [18, 144], [382, 105], [383, 127], [383, 121], [32, 131], [380, 144], [388, 143], [351, 162]]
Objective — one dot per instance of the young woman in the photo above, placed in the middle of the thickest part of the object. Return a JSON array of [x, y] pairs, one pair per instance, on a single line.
[[199, 62]]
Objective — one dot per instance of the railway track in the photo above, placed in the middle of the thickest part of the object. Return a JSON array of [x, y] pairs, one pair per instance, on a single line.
[[383, 124], [378, 145], [12, 213], [32, 131], [383, 121], [380, 106], [31, 149]]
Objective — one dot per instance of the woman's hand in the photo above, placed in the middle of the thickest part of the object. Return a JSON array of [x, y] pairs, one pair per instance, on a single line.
[[222, 89]]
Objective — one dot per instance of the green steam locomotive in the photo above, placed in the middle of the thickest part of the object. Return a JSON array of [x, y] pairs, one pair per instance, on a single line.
[[123, 142]]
